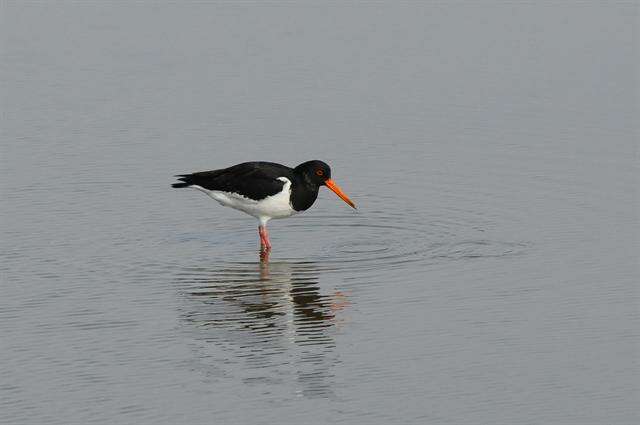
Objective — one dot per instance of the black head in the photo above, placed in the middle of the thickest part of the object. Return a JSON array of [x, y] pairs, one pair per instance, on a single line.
[[314, 172], [317, 173]]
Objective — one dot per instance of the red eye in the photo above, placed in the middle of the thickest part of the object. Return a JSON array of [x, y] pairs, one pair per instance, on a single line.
[[319, 172]]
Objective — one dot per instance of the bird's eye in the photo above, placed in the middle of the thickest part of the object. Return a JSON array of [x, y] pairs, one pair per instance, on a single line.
[[319, 172]]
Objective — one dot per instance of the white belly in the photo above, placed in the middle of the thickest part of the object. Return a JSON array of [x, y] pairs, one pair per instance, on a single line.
[[274, 206]]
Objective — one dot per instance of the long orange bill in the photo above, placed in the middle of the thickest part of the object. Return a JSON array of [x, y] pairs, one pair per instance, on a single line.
[[336, 189]]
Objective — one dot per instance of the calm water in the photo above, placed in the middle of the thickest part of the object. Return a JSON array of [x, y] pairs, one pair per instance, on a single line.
[[490, 275]]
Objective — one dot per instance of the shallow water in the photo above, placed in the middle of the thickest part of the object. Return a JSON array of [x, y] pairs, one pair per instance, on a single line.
[[489, 275]]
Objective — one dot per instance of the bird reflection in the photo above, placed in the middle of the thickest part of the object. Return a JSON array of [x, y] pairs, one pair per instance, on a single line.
[[270, 318]]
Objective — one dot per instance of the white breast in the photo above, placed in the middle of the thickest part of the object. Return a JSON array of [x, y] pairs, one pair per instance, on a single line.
[[274, 206]]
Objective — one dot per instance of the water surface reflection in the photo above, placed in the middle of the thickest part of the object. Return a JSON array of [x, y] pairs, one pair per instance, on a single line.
[[257, 320]]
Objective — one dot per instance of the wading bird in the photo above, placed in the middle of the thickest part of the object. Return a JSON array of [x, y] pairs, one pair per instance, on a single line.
[[265, 190]]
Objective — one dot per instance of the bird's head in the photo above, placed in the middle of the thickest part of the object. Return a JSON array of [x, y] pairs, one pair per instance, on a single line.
[[318, 173]]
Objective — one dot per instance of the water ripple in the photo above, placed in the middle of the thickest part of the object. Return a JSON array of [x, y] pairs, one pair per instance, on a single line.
[[394, 241]]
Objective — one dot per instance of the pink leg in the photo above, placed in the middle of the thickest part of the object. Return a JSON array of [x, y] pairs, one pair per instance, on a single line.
[[265, 244]]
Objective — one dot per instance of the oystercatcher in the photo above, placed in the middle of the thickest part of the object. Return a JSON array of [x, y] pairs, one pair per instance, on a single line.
[[265, 190]]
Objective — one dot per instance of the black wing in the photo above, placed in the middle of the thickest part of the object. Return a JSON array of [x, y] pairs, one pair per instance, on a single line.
[[255, 180]]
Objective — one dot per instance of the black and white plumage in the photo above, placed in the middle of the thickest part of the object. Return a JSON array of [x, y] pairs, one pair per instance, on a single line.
[[265, 190]]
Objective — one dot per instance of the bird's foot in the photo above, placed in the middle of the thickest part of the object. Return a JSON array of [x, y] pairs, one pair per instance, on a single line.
[[264, 254]]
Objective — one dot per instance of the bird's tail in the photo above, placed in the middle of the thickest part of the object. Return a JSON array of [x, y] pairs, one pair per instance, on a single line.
[[185, 181]]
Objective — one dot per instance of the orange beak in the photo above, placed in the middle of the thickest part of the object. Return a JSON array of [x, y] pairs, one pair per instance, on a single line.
[[336, 189]]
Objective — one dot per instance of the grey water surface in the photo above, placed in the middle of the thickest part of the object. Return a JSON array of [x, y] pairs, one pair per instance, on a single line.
[[490, 275]]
